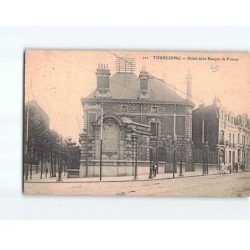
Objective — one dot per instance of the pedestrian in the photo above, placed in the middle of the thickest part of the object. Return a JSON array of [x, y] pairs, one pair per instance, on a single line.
[[46, 173], [242, 167], [155, 169], [237, 167], [234, 167], [151, 170]]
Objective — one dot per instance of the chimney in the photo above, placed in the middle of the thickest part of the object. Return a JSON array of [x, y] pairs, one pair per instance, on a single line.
[[144, 76], [103, 75], [216, 101], [189, 87]]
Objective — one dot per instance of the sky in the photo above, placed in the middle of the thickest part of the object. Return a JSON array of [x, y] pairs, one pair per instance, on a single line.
[[58, 79]]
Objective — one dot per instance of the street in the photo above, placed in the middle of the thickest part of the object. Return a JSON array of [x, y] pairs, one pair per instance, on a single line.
[[212, 185]]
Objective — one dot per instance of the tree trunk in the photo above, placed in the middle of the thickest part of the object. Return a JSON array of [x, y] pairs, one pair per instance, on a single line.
[[54, 167], [27, 167], [35, 157], [51, 166], [59, 169], [31, 164], [41, 176], [64, 167]]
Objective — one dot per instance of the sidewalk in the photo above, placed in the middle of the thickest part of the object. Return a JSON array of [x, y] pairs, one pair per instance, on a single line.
[[36, 177]]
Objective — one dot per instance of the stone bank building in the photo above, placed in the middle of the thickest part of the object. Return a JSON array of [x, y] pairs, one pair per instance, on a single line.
[[138, 120]]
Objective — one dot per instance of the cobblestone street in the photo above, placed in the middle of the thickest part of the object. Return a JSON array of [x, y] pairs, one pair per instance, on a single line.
[[218, 185]]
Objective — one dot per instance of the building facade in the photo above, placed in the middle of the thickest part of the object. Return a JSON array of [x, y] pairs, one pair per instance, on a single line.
[[140, 114], [226, 134]]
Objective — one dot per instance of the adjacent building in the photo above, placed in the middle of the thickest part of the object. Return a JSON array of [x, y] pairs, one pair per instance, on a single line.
[[227, 135], [140, 116]]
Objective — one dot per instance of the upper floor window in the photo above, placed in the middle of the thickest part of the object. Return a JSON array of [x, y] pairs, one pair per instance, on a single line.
[[124, 108], [222, 136], [154, 109], [154, 126], [243, 139]]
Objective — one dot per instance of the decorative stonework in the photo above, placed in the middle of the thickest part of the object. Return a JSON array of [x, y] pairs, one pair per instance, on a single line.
[[111, 136]]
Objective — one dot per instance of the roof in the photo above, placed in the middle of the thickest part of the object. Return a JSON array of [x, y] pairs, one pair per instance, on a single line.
[[127, 86]]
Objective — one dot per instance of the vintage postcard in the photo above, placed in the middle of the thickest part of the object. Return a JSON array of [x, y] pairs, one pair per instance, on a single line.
[[136, 123]]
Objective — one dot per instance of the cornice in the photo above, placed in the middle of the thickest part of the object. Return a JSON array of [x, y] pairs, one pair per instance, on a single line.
[[136, 101]]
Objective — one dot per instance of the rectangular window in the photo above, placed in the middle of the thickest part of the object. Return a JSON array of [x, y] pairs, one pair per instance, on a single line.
[[124, 108], [180, 125], [154, 128], [154, 109], [91, 119], [169, 125]]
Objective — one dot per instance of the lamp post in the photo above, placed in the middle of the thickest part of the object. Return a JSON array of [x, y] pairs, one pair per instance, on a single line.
[[203, 137], [30, 147], [174, 157], [150, 163], [135, 153], [203, 159], [165, 146], [136, 156], [207, 147], [101, 136], [156, 151], [182, 143], [172, 141], [192, 155], [60, 154]]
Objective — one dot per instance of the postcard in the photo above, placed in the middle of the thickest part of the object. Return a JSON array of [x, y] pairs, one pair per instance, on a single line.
[[136, 123]]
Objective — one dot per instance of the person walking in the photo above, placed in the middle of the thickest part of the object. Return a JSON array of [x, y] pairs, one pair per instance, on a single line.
[[237, 167], [155, 169], [151, 171], [234, 167], [242, 167]]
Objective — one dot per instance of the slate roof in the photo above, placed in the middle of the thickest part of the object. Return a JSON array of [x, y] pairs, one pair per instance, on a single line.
[[127, 86]]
